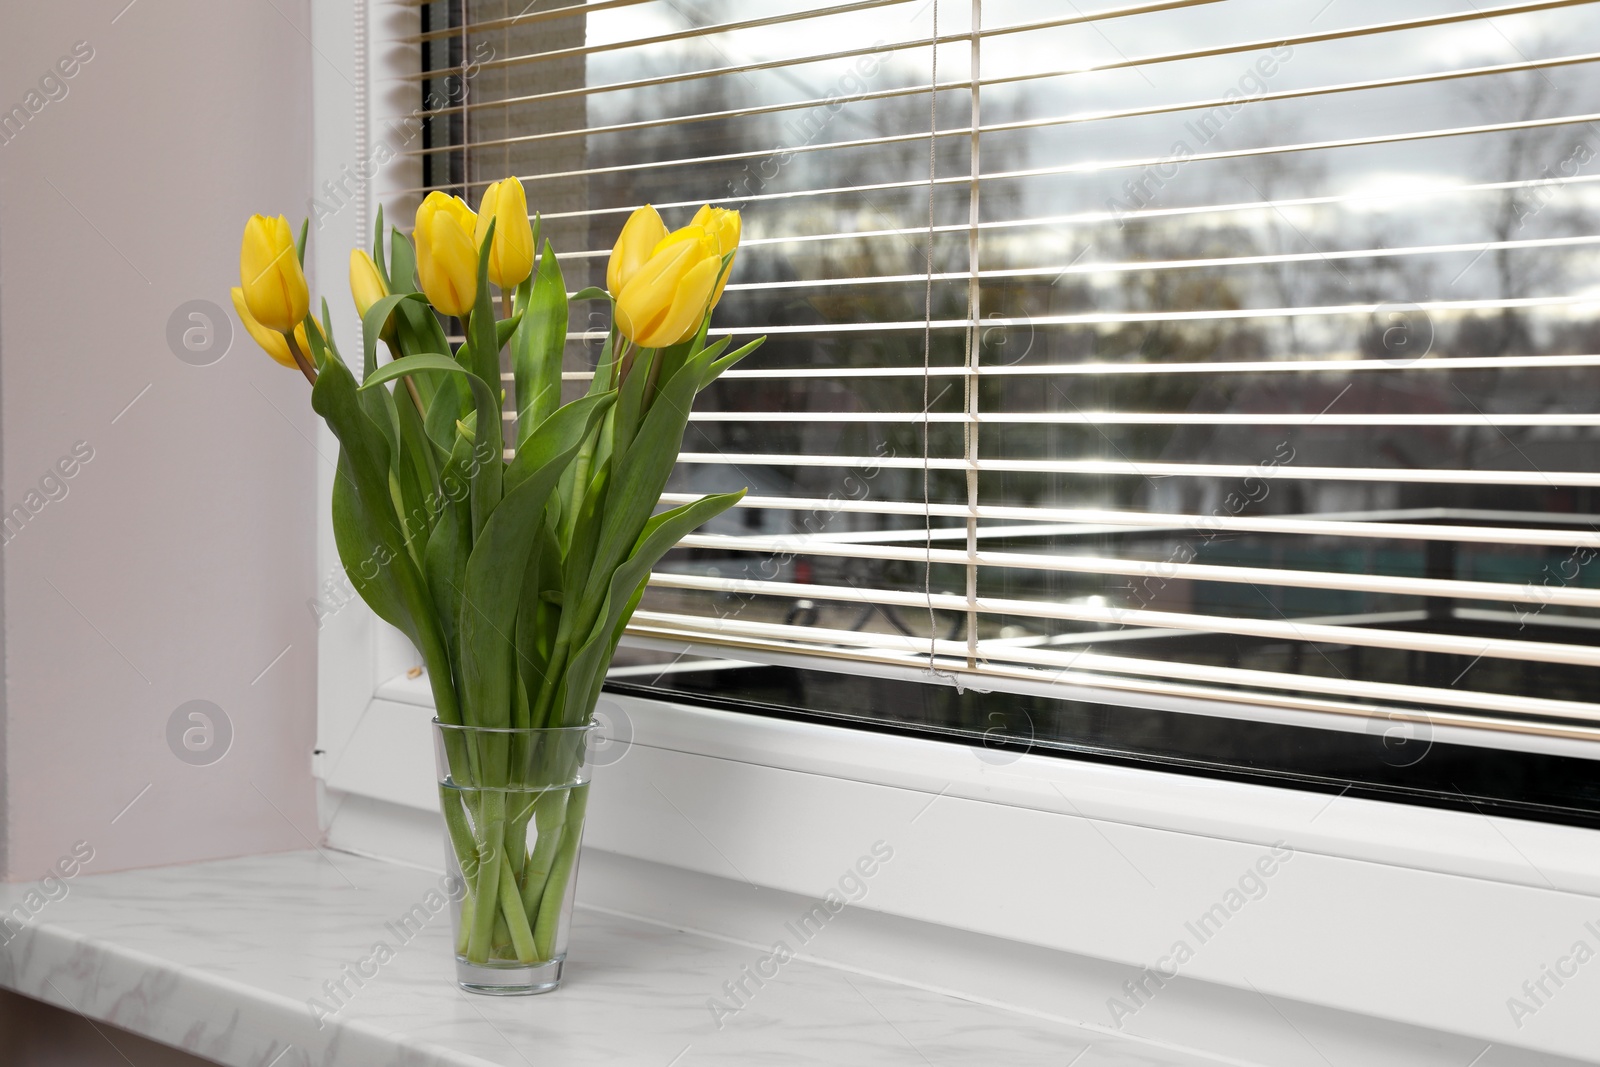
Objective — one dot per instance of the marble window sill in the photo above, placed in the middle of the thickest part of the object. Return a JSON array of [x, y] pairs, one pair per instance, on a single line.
[[225, 959]]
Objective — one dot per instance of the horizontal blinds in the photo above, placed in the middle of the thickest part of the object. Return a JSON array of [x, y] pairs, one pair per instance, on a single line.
[[1260, 353]]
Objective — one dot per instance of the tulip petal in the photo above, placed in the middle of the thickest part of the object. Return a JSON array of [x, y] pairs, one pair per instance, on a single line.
[[270, 277], [270, 341], [683, 318], [511, 256], [647, 297], [635, 245], [447, 260]]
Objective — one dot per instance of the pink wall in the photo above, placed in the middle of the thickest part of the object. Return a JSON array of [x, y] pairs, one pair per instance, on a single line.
[[179, 562]]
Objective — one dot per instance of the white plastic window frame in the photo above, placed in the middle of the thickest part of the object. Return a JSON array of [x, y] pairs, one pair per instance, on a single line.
[[782, 804]]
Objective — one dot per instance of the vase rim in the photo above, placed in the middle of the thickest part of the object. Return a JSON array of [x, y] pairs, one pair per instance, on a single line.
[[592, 724]]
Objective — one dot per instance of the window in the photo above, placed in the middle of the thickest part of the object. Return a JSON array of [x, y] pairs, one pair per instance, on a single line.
[[1207, 382]]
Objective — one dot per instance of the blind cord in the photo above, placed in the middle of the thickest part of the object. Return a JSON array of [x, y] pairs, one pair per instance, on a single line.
[[927, 359], [927, 336]]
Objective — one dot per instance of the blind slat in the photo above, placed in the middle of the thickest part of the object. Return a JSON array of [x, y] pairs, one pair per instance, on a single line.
[[1397, 526], [1089, 167], [1284, 629], [1125, 317], [1154, 469], [1143, 418], [1338, 365], [1564, 596]]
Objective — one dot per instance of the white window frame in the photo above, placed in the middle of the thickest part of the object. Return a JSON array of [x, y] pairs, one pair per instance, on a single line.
[[782, 803]]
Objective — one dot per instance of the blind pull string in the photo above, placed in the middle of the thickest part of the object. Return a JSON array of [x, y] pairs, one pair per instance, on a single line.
[[974, 341], [927, 362]]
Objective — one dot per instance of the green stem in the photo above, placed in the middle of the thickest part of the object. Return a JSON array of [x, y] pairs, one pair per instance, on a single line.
[[550, 905], [455, 821], [558, 664], [515, 918], [500, 944], [548, 815], [519, 813], [465, 929], [491, 850]]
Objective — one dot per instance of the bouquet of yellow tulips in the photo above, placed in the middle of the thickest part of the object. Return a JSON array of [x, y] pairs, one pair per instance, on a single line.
[[512, 565]]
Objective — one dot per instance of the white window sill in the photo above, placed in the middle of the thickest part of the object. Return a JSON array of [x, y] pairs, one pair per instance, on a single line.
[[224, 959], [1043, 884]]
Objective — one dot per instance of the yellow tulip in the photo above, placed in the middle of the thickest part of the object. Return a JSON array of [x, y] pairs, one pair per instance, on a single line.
[[665, 300], [721, 223], [635, 244], [274, 286], [511, 257], [271, 341], [727, 227], [447, 261], [367, 288]]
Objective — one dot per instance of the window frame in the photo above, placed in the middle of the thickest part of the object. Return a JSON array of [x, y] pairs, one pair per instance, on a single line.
[[373, 748]]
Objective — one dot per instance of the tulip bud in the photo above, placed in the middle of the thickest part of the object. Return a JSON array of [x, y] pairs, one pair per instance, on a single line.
[[665, 300], [271, 341], [511, 257], [367, 288], [635, 244], [447, 261], [273, 285], [727, 228]]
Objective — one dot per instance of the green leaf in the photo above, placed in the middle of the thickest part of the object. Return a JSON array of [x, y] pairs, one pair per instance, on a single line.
[[586, 669], [506, 327], [591, 293], [669, 362], [360, 555], [327, 329], [444, 410], [638, 478], [372, 326], [588, 508], [419, 473], [423, 361], [537, 348], [377, 250], [536, 622], [631, 400], [378, 407], [519, 301], [402, 263], [546, 612], [486, 480], [577, 477], [300, 241], [713, 350], [719, 365], [585, 411], [371, 545], [589, 512], [445, 562], [483, 337], [499, 560]]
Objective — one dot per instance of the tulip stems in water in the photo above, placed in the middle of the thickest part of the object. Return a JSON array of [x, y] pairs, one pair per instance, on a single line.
[[505, 303]]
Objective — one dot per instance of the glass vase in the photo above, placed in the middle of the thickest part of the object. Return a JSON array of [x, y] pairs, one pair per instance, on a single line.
[[514, 802]]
